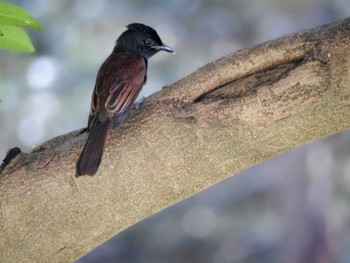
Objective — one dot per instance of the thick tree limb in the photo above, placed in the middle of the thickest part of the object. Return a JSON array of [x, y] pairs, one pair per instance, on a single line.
[[225, 117]]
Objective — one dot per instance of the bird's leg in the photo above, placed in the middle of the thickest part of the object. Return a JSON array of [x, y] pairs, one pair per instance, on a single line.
[[139, 103]]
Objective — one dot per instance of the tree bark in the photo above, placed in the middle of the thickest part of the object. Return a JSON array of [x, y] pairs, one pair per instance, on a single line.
[[227, 116]]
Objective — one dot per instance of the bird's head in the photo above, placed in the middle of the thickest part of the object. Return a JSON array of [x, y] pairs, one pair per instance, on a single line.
[[142, 40]]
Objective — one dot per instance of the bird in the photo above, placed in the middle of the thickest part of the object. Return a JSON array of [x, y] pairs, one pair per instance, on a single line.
[[118, 83]]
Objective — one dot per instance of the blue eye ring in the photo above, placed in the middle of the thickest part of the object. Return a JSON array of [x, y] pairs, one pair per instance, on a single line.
[[149, 42]]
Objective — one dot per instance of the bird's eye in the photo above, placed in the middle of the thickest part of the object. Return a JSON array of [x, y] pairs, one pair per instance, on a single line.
[[149, 42]]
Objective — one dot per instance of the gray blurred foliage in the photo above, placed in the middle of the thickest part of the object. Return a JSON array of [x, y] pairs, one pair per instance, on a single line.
[[293, 208]]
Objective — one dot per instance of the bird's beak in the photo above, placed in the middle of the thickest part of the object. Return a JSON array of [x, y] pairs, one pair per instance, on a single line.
[[164, 48]]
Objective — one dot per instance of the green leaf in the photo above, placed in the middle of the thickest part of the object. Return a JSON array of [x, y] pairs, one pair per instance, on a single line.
[[15, 39], [11, 14]]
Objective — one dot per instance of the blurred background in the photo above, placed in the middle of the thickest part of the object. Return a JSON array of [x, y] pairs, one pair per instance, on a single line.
[[293, 208]]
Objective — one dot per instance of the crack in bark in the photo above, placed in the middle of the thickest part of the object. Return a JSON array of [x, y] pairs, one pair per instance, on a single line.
[[249, 84]]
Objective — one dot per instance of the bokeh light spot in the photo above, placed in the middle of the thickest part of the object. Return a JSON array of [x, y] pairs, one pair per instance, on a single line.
[[31, 130], [319, 161], [199, 222], [42, 72]]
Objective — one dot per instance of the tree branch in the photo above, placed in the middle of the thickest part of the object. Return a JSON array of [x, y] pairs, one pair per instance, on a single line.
[[225, 117]]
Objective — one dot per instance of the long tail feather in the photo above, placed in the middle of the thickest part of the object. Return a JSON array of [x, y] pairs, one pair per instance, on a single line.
[[90, 157]]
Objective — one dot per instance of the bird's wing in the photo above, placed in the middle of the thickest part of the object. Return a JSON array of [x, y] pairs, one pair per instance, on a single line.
[[122, 95], [128, 79], [118, 83], [120, 100]]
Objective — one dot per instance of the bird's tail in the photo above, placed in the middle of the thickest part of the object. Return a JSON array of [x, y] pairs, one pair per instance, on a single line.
[[91, 155]]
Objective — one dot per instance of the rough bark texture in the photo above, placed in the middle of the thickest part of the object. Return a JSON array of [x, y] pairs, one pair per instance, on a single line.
[[225, 117]]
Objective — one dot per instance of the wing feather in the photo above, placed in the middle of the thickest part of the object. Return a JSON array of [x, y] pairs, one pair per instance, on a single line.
[[119, 81]]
